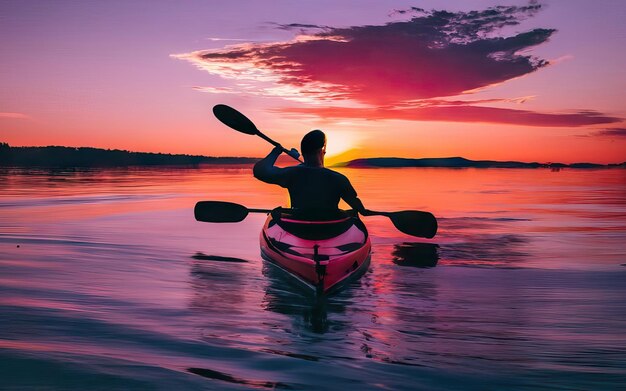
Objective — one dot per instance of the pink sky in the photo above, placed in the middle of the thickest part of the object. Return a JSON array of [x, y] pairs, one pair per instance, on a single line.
[[533, 81]]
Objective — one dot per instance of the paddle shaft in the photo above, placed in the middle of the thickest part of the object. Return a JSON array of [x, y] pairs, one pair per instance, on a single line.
[[251, 210], [274, 143]]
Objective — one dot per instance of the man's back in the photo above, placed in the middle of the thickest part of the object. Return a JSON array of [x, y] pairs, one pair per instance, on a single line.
[[315, 187], [310, 185]]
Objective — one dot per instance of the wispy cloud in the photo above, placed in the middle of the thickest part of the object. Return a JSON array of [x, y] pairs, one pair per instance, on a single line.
[[460, 113], [14, 115], [218, 39]]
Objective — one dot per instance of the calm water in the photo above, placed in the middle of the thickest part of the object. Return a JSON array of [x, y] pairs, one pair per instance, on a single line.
[[106, 281]]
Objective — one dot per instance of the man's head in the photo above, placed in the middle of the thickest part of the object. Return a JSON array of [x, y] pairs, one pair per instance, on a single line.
[[313, 146]]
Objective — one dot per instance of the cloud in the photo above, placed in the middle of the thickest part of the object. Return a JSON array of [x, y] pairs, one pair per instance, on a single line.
[[399, 70], [611, 132], [217, 39], [458, 112], [301, 27], [433, 54], [443, 102], [13, 115]]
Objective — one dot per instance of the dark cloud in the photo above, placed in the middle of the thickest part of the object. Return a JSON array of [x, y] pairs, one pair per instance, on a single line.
[[612, 132], [474, 25], [301, 26], [433, 54]]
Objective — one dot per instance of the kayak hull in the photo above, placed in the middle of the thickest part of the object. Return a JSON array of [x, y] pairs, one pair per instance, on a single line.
[[322, 264]]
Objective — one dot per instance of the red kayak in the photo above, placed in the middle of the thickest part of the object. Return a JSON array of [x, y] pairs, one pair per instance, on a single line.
[[323, 254]]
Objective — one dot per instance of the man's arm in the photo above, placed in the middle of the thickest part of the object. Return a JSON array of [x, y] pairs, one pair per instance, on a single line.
[[349, 195], [264, 170], [357, 205]]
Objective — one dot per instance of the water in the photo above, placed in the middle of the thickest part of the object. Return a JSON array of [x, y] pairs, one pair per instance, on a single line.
[[106, 281]]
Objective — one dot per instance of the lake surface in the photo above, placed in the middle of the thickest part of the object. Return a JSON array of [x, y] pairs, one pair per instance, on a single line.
[[106, 281]]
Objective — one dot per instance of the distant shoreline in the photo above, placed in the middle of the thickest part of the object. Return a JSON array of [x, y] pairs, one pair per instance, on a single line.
[[69, 157], [460, 162]]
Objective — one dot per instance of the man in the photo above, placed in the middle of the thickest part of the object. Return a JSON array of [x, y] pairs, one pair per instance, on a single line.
[[311, 186]]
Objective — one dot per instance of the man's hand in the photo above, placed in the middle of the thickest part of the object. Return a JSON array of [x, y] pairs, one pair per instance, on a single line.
[[280, 149], [294, 153], [367, 212]]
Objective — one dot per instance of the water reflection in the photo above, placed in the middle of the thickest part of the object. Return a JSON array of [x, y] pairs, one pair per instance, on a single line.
[[501, 250], [217, 375], [216, 286], [283, 295], [416, 254], [218, 258]]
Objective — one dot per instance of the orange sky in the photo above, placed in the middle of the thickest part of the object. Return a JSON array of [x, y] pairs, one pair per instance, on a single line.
[[542, 82]]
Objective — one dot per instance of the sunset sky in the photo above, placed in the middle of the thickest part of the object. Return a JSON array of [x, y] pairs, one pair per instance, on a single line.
[[502, 80]]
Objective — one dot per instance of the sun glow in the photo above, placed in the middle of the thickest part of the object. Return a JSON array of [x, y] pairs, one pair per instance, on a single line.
[[338, 144]]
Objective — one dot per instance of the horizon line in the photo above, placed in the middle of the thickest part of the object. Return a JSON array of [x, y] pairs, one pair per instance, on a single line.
[[281, 156]]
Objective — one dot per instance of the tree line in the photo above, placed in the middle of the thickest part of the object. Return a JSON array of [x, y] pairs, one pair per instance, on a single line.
[[57, 156]]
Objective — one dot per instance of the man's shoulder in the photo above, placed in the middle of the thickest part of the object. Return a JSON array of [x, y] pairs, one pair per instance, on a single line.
[[327, 172], [334, 173], [337, 176]]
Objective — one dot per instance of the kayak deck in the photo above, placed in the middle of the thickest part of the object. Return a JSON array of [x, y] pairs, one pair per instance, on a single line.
[[322, 254]]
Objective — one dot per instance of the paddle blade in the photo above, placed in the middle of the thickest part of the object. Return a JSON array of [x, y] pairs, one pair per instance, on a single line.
[[234, 119], [415, 223], [219, 212]]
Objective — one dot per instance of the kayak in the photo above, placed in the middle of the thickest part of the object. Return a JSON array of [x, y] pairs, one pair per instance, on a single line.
[[322, 254]]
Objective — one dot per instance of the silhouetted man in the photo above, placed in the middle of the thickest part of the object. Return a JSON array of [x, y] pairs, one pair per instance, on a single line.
[[311, 186]]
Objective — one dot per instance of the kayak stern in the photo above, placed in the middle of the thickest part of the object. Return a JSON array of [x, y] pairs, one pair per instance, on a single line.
[[323, 265]]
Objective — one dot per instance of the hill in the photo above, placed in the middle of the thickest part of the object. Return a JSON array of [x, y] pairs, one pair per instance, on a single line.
[[459, 162]]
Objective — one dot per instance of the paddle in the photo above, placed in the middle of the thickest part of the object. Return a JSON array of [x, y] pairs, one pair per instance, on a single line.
[[223, 212], [239, 122], [410, 222]]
